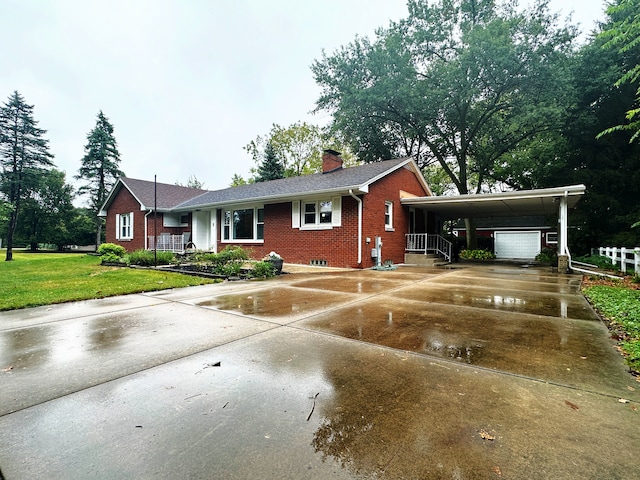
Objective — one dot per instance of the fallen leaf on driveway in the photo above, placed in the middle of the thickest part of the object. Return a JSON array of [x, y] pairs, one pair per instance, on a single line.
[[623, 400], [497, 471], [486, 435], [572, 405], [8, 369]]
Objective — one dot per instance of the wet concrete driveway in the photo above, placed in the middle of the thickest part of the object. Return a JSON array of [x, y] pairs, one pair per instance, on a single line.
[[493, 371]]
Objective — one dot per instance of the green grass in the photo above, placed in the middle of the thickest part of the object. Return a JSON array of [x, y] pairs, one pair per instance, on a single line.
[[621, 306], [34, 279]]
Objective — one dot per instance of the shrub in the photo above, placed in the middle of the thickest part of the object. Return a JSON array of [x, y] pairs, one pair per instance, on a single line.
[[147, 258], [548, 255], [232, 254], [111, 249], [111, 258], [264, 269], [477, 255], [227, 262], [111, 253]]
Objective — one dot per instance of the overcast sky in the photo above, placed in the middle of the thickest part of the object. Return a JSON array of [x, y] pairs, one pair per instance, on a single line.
[[186, 83]]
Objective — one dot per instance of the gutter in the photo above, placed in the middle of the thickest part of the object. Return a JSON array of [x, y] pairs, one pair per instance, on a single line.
[[584, 271], [146, 231], [357, 199]]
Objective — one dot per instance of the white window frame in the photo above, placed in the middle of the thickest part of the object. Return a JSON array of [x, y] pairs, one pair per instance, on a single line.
[[124, 226], [551, 238], [299, 212], [388, 216], [227, 224]]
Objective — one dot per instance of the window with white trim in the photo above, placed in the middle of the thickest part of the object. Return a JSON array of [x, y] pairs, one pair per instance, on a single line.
[[319, 214], [124, 226], [243, 224], [388, 215]]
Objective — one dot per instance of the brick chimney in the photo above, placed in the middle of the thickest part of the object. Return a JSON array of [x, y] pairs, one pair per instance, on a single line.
[[331, 161]]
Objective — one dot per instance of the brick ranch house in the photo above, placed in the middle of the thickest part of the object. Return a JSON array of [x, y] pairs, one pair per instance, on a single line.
[[334, 218]]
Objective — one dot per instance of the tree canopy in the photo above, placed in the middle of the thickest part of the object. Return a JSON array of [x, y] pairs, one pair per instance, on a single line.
[[462, 83], [622, 35], [297, 147]]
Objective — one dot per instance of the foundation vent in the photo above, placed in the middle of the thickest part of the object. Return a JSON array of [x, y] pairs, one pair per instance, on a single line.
[[318, 263]]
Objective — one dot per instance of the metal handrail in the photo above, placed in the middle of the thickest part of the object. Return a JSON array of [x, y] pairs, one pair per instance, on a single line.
[[429, 243]]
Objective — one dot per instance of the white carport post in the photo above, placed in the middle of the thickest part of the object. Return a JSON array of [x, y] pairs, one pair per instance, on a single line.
[[563, 245]]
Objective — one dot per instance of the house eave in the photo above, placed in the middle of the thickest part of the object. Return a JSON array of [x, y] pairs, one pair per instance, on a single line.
[[270, 199]]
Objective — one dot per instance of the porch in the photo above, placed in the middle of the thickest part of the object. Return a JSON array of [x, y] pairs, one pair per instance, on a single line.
[[429, 244]]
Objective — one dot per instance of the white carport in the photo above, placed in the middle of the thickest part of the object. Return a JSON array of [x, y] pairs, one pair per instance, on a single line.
[[546, 201]]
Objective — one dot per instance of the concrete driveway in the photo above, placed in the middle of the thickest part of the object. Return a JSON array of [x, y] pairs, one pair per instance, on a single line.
[[493, 371]]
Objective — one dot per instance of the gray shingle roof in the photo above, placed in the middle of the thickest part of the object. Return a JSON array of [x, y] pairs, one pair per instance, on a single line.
[[168, 195], [337, 181]]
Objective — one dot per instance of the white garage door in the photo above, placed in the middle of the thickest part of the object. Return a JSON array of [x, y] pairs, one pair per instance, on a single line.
[[524, 245]]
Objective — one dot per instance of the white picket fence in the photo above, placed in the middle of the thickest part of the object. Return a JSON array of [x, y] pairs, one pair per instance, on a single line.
[[623, 257]]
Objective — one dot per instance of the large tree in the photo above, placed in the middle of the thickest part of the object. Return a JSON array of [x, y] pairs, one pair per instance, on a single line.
[[459, 82], [609, 165], [100, 168], [24, 156], [298, 147], [48, 213]]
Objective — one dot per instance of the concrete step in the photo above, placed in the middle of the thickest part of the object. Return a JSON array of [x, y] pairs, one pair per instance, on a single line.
[[421, 259]]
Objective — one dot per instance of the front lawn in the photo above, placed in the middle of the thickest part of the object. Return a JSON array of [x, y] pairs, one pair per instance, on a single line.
[[34, 279], [619, 304]]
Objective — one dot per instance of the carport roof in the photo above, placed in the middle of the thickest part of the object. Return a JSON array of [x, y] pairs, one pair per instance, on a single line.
[[503, 204]]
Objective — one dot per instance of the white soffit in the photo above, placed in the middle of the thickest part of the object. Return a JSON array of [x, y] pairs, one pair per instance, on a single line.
[[504, 204]]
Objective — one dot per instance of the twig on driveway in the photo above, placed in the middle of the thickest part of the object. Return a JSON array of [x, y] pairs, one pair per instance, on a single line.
[[314, 406]]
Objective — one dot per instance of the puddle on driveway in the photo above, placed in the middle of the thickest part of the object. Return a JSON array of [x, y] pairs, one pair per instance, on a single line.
[[566, 351], [350, 284], [275, 302], [500, 299], [63, 342], [515, 282]]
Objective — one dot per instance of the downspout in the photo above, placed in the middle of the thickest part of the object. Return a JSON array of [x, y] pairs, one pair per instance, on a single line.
[[357, 199], [146, 230]]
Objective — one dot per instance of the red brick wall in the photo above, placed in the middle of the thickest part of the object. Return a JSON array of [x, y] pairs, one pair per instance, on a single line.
[[388, 189], [339, 246], [125, 203]]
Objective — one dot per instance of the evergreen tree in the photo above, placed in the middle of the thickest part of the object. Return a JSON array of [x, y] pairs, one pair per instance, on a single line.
[[271, 167], [100, 168], [24, 156]]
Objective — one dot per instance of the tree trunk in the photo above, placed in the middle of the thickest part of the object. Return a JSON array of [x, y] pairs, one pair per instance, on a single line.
[[98, 233], [470, 228], [10, 231]]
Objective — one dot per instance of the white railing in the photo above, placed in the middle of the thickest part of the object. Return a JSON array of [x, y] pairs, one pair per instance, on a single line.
[[428, 243], [622, 257], [168, 243]]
